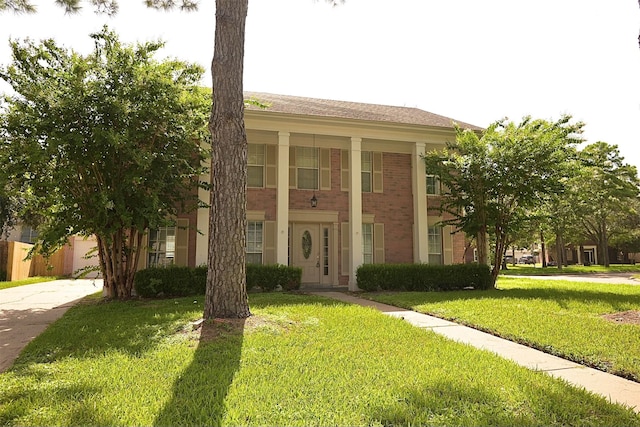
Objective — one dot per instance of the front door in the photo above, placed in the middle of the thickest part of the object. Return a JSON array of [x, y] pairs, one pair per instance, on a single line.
[[306, 248]]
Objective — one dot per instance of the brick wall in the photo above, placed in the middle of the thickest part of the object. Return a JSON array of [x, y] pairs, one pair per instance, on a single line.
[[394, 207]]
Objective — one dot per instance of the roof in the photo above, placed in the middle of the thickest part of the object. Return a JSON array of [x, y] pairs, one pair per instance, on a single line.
[[352, 110]]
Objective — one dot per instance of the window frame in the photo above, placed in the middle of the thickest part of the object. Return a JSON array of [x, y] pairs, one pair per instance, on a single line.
[[157, 255], [301, 153], [436, 185], [369, 172], [431, 235], [252, 245], [368, 232], [256, 165]]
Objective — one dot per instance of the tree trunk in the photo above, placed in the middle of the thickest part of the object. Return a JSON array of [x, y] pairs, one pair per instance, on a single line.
[[559, 250], [481, 240], [605, 245], [226, 294], [119, 255], [543, 252], [501, 240]]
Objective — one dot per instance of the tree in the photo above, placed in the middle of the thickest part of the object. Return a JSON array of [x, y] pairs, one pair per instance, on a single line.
[[492, 181], [226, 294], [625, 236], [106, 144], [601, 191]]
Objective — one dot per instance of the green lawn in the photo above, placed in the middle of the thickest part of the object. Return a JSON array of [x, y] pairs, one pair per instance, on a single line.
[[29, 281], [559, 317], [300, 360], [537, 270]]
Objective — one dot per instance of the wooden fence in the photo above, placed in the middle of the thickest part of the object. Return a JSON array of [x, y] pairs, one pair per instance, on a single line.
[[18, 268]]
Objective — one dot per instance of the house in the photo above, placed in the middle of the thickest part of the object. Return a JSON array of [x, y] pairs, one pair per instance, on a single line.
[[332, 185]]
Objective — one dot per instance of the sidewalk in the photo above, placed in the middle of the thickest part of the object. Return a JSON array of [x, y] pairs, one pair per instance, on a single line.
[[26, 311], [612, 387]]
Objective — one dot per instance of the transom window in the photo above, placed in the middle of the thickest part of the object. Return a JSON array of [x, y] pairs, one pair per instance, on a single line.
[[255, 165], [307, 168], [367, 243], [433, 185], [254, 242], [162, 246], [367, 168], [435, 244]]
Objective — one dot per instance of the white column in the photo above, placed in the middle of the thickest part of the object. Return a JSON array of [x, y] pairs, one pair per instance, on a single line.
[[355, 210], [419, 181], [282, 199], [202, 238]]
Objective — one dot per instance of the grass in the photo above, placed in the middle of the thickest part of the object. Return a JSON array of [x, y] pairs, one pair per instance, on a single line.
[[29, 281], [537, 270], [299, 360], [560, 317]]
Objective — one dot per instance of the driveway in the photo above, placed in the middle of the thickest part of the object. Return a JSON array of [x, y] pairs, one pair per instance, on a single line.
[[26, 311], [614, 278]]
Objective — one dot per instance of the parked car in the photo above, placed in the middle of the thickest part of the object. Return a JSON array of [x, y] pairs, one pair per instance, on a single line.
[[527, 259]]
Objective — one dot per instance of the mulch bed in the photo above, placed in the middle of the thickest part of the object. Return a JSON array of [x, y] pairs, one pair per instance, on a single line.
[[629, 317]]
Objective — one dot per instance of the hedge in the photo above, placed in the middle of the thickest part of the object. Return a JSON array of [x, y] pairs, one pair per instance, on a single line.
[[270, 277], [170, 281], [174, 281], [422, 277]]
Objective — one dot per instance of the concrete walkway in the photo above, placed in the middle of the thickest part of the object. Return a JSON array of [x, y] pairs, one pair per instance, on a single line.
[[26, 311], [612, 387]]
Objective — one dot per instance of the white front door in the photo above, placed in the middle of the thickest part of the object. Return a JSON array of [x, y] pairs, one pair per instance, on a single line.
[[306, 249]]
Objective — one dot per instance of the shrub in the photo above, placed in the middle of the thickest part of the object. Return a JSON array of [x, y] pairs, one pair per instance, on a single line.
[[269, 277], [3, 275], [422, 277], [173, 281], [169, 281]]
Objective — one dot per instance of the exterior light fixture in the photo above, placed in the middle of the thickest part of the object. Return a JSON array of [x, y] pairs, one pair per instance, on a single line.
[[314, 201]]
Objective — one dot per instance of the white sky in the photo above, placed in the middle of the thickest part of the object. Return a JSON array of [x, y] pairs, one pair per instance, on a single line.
[[474, 61]]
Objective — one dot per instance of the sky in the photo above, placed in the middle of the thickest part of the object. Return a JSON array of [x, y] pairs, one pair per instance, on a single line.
[[474, 61]]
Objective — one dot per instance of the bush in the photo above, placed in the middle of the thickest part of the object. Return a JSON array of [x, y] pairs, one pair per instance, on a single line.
[[173, 281], [269, 277], [422, 277], [3, 276]]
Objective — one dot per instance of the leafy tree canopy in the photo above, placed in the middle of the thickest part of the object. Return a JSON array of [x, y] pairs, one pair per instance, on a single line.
[[493, 179], [105, 144]]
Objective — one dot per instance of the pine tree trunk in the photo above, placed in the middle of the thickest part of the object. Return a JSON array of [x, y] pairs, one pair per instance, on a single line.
[[226, 294]]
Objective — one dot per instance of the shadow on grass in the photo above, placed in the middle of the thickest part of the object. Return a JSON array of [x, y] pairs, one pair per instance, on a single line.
[[96, 327], [445, 403], [199, 393], [15, 405]]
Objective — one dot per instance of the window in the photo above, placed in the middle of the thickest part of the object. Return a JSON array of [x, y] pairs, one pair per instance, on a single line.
[[162, 246], [255, 165], [433, 185], [367, 170], [367, 243], [254, 242], [325, 251], [307, 168], [28, 234], [435, 244]]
